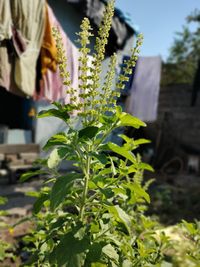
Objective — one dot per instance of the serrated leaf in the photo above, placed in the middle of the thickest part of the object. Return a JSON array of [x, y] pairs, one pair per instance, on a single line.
[[105, 171], [141, 141], [131, 169], [25, 176], [39, 203], [114, 171], [95, 252], [126, 119], [69, 252], [139, 191], [120, 215], [61, 188], [110, 252], [88, 132], [101, 157], [126, 138], [57, 139], [58, 113], [146, 166], [122, 151]]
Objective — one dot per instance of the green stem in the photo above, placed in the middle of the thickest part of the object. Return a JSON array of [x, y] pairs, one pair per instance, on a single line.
[[85, 190], [105, 135]]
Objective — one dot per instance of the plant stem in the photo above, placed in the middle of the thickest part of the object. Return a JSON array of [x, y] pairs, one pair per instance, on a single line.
[[85, 190]]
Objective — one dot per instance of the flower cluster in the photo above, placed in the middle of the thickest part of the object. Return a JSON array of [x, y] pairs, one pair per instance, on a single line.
[[92, 99]]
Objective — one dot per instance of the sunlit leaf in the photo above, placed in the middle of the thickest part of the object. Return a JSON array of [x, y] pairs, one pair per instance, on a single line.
[[120, 215], [126, 119], [122, 151], [25, 176], [57, 139], [110, 252], [58, 113]]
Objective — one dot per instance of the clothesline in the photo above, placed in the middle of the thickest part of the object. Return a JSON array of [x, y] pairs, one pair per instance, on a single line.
[[28, 51]]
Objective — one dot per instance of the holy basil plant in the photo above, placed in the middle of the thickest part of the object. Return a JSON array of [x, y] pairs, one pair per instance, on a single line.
[[93, 216]]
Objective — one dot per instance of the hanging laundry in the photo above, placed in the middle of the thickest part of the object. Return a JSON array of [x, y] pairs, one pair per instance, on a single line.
[[53, 89], [21, 33], [143, 101], [48, 50], [28, 18], [5, 20], [5, 39]]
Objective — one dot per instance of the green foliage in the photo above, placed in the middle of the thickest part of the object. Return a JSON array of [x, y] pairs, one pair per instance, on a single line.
[[184, 54], [6, 249]]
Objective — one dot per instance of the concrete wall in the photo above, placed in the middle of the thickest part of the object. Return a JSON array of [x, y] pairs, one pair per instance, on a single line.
[[184, 119], [176, 133]]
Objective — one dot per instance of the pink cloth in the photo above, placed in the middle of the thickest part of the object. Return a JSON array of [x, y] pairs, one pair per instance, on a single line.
[[53, 88]]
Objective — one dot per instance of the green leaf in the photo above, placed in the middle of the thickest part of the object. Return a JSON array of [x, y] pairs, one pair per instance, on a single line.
[[99, 264], [25, 176], [190, 227], [88, 132], [127, 263], [110, 252], [107, 192], [126, 119], [139, 192], [122, 151], [101, 157], [60, 189], [58, 113], [120, 216], [3, 200], [57, 139], [2, 252], [95, 252], [141, 141], [114, 171], [166, 264], [145, 166], [39, 203], [105, 171], [54, 159], [69, 252], [57, 104], [56, 156], [131, 169]]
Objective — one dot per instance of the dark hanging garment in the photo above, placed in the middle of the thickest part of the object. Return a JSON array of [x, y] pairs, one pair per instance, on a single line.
[[120, 31], [14, 111], [196, 85]]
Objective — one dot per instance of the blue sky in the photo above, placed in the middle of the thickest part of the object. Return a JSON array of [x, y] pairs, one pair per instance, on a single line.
[[158, 20]]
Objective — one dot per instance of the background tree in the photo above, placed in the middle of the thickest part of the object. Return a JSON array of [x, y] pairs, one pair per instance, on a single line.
[[184, 53]]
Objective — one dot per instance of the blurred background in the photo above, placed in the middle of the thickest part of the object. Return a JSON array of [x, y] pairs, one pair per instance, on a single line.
[[172, 31]]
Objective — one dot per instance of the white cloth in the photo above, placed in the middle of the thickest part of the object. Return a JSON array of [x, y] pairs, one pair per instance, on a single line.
[[143, 100]]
